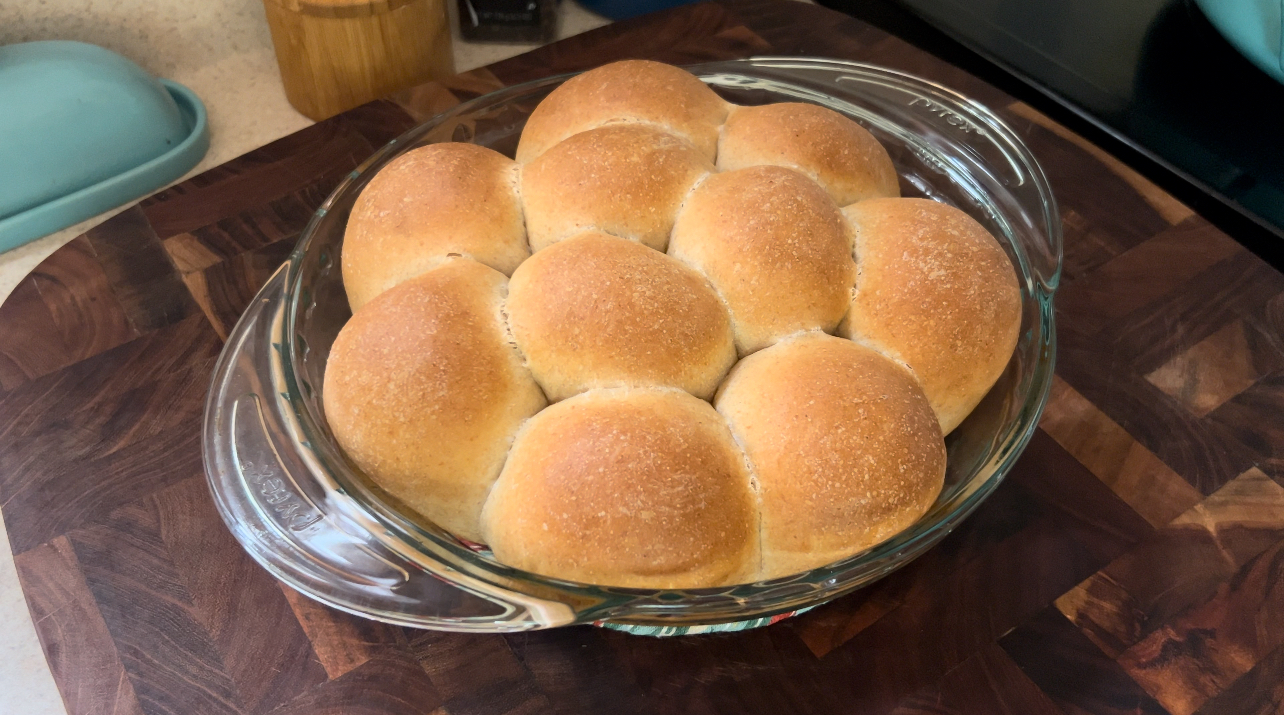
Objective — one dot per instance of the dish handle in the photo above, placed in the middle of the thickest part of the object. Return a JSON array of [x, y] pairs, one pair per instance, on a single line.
[[299, 531]]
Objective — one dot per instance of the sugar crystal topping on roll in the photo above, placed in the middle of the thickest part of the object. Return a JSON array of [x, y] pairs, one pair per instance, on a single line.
[[629, 92], [845, 447], [424, 392], [627, 180], [641, 488], [937, 292], [427, 205], [776, 248], [836, 152], [600, 311]]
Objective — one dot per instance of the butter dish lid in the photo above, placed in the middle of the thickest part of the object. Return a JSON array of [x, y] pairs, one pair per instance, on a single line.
[[1254, 27], [85, 130]]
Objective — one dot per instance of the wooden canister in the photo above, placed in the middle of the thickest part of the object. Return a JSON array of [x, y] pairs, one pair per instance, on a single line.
[[337, 54]]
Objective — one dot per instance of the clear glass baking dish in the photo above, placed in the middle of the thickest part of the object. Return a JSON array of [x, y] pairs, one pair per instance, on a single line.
[[304, 512]]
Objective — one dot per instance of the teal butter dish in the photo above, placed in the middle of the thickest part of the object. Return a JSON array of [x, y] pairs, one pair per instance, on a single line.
[[83, 130], [1254, 27]]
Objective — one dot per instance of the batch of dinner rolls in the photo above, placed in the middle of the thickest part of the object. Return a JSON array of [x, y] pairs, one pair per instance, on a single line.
[[675, 343]]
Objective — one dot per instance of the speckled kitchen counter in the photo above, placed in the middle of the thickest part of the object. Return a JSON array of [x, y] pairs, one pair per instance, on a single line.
[[220, 49]]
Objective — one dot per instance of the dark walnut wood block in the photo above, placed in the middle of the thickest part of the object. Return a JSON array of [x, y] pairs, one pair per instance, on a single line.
[[1133, 562]]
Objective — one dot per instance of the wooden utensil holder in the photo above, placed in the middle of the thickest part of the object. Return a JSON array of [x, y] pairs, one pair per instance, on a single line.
[[337, 54]]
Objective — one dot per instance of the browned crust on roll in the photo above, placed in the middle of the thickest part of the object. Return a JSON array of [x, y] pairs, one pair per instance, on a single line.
[[626, 180], [427, 204], [774, 246], [633, 488], [844, 446], [600, 311], [841, 155], [936, 291], [424, 393], [634, 91]]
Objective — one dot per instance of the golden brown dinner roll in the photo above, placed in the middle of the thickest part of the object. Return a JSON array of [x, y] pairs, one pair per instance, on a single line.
[[840, 154], [633, 91], [428, 203], [626, 487], [624, 179], [600, 311], [775, 247], [937, 292], [424, 392], [844, 446]]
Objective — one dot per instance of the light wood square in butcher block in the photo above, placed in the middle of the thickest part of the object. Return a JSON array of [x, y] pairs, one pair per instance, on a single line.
[[1180, 566], [1217, 368], [1131, 471]]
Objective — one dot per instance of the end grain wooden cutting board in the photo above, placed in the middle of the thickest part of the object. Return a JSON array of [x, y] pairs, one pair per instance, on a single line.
[[1133, 562]]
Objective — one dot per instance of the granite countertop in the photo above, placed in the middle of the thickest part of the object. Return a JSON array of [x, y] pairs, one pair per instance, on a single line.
[[222, 50]]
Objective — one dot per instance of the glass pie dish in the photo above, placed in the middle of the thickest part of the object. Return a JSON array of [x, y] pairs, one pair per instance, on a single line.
[[308, 515]]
